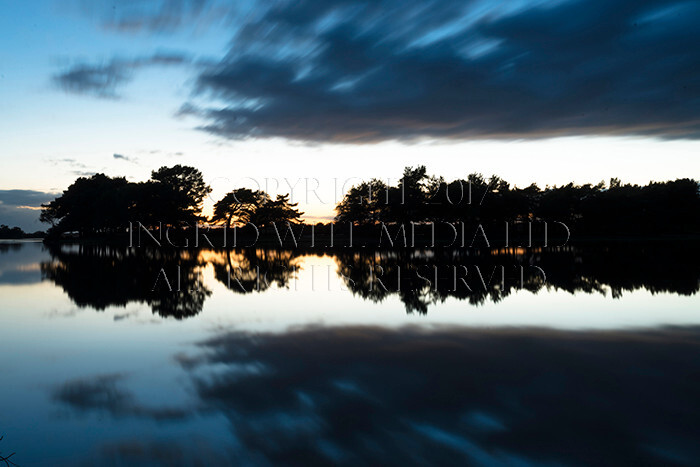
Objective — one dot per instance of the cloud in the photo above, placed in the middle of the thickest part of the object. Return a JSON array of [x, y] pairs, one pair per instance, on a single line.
[[29, 198], [366, 71], [76, 168], [98, 80], [104, 80], [188, 109], [67, 160], [125, 158], [21, 208], [159, 16]]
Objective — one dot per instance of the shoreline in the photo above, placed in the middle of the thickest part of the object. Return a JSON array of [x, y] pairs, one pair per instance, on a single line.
[[361, 242]]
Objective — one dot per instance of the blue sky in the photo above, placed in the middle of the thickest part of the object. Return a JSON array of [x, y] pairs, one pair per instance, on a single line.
[[301, 95]]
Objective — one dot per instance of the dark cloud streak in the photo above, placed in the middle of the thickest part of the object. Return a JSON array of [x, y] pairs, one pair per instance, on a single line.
[[158, 16], [366, 72], [122, 157], [31, 198], [104, 80]]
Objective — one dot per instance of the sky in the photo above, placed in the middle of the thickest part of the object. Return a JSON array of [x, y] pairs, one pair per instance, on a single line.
[[308, 97]]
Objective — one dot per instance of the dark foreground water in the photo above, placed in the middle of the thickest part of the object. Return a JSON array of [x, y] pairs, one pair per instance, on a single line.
[[564, 356]]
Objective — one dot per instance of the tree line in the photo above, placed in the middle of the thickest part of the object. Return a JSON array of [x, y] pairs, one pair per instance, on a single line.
[[173, 196], [614, 208], [16, 233]]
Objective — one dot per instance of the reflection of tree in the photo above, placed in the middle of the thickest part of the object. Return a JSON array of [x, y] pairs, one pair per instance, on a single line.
[[6, 459], [424, 277], [656, 268], [181, 304], [170, 280], [99, 276], [254, 270], [5, 247]]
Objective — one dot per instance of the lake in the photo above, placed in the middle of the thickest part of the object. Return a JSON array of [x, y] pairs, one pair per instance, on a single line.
[[543, 356]]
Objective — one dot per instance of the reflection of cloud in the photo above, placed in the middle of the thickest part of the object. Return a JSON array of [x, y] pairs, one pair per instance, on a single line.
[[194, 450], [69, 313], [455, 396], [20, 263], [126, 315], [104, 394], [19, 276]]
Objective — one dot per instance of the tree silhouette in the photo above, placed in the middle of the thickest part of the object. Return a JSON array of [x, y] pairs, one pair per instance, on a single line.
[[366, 203], [238, 206], [180, 192], [671, 207], [279, 210], [7, 232], [90, 205], [104, 205]]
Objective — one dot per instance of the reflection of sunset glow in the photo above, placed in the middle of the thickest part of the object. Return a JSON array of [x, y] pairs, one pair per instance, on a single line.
[[514, 251], [244, 259]]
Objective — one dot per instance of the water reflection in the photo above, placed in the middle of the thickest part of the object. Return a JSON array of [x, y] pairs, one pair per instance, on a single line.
[[422, 278], [254, 270], [264, 374], [352, 395], [171, 280], [107, 394], [100, 276], [396, 397], [20, 265]]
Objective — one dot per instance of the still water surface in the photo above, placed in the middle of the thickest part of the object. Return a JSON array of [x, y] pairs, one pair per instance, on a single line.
[[569, 356]]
